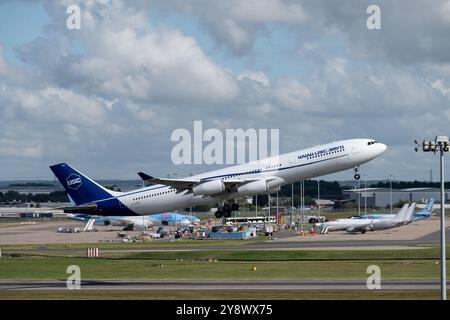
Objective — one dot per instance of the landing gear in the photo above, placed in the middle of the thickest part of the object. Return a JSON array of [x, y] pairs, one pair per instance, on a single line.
[[226, 207], [219, 214], [225, 210], [357, 175]]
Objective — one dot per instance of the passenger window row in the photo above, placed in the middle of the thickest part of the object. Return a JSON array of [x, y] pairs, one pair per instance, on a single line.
[[240, 174], [153, 195], [324, 154]]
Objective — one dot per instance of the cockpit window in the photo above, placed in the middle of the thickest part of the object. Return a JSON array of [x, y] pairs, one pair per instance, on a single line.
[[371, 143]]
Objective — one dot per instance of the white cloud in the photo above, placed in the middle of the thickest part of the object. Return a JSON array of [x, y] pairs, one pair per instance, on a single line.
[[10, 148], [234, 22], [129, 59], [291, 94], [440, 86], [52, 104], [257, 76], [109, 95]]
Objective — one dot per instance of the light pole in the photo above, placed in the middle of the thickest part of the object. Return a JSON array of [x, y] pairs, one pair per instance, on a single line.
[[268, 199], [318, 198], [302, 190], [359, 198], [292, 204], [390, 190], [278, 223], [365, 194], [441, 144]]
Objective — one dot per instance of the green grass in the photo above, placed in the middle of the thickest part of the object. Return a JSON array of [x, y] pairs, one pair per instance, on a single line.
[[283, 255], [224, 295], [55, 268], [242, 254], [231, 265]]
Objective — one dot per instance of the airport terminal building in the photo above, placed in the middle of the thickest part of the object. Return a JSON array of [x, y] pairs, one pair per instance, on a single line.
[[381, 197]]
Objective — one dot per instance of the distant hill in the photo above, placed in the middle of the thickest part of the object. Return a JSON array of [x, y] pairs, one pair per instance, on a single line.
[[30, 184], [352, 183]]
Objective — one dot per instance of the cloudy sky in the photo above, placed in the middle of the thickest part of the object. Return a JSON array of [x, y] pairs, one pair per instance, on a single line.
[[106, 98]]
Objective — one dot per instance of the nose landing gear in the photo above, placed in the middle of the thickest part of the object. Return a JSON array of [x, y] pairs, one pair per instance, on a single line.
[[357, 176]]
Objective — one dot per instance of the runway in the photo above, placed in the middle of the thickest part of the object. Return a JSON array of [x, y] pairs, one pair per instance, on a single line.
[[219, 285]]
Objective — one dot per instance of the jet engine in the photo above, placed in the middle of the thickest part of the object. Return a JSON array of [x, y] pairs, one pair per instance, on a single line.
[[209, 187], [260, 186]]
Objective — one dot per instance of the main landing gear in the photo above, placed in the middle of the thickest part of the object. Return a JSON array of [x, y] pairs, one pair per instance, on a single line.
[[357, 176], [225, 210]]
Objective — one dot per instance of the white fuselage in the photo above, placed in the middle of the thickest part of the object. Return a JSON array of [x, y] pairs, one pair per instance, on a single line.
[[286, 168], [343, 224], [404, 216]]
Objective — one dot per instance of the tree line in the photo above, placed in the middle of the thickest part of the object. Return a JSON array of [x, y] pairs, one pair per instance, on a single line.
[[17, 197]]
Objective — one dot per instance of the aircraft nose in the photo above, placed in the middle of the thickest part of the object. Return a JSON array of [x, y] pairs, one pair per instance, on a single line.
[[382, 147]]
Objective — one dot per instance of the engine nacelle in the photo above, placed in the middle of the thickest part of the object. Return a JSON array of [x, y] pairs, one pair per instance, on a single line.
[[260, 186], [252, 188], [209, 187]]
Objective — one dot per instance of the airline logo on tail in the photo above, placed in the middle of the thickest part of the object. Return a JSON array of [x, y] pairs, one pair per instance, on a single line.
[[74, 181]]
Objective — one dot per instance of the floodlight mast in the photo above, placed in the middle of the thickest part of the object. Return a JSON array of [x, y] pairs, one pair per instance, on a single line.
[[441, 144]]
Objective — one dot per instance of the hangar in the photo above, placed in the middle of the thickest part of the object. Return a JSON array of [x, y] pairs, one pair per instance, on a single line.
[[381, 197]]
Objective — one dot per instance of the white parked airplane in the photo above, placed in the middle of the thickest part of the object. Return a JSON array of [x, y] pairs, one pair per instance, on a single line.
[[257, 177], [404, 216]]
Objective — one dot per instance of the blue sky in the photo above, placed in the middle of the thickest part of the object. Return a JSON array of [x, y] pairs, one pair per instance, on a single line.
[[20, 22], [106, 98]]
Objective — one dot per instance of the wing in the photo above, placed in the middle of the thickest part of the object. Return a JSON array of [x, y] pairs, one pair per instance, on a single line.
[[363, 227], [188, 184]]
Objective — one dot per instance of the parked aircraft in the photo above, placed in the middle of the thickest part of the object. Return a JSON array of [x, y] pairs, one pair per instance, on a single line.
[[404, 216], [140, 222], [423, 214]]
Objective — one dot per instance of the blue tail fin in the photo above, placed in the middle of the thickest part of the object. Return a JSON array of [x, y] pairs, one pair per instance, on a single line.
[[429, 207], [80, 188]]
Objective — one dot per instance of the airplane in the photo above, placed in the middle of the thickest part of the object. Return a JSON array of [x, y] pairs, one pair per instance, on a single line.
[[404, 216], [216, 187], [424, 214], [140, 222]]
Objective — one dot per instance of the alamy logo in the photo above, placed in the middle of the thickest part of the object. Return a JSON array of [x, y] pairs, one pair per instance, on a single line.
[[234, 146], [73, 181], [374, 280]]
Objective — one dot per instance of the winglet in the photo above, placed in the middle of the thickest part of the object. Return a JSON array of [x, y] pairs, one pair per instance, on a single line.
[[145, 176]]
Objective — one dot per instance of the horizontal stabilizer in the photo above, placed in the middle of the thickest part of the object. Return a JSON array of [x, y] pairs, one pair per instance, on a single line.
[[144, 176], [89, 208]]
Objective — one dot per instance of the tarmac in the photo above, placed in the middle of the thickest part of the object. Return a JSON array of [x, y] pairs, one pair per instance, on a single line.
[[419, 234], [222, 285]]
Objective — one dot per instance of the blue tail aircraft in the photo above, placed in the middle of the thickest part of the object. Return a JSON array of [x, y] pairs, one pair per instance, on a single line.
[[220, 187], [424, 214], [141, 222]]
